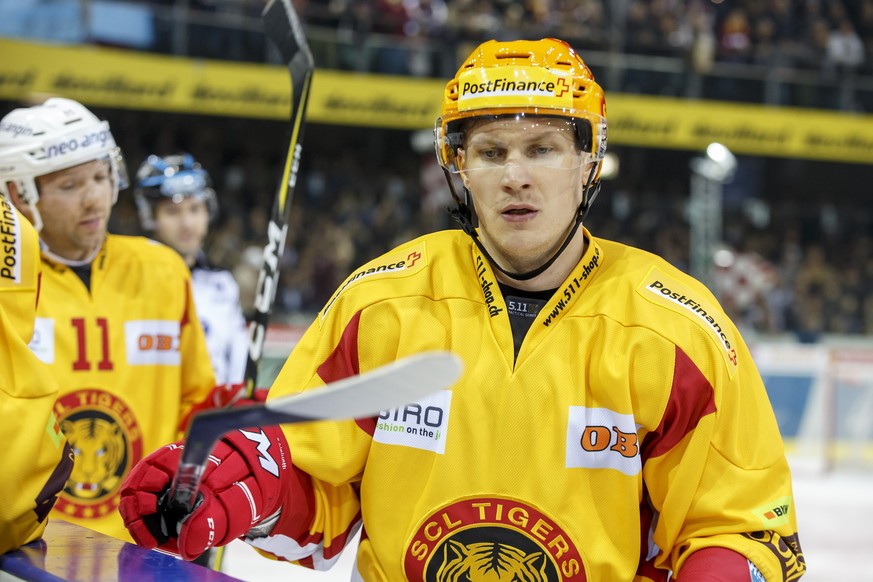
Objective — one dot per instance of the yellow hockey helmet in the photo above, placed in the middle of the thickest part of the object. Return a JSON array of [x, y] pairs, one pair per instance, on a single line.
[[523, 77]]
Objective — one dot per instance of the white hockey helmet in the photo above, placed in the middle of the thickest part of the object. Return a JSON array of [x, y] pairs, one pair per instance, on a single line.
[[59, 134]]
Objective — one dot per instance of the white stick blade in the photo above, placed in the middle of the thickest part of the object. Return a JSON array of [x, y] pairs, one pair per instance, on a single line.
[[401, 382]]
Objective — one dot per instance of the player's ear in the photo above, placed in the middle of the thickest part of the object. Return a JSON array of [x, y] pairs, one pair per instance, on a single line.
[[29, 211], [461, 162], [12, 189]]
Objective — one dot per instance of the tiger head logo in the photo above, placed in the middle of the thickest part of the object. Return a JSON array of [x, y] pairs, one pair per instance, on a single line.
[[106, 441], [99, 448], [490, 562], [491, 539]]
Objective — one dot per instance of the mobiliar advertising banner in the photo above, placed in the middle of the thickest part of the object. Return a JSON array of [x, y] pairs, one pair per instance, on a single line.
[[107, 77]]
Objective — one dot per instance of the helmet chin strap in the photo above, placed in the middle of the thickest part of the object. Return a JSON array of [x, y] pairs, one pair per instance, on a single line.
[[463, 214]]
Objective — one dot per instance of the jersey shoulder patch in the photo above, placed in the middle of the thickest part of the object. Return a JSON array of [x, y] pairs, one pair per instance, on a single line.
[[401, 262], [694, 303]]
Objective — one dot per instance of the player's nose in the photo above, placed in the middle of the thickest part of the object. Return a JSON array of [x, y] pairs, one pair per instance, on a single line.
[[515, 176]]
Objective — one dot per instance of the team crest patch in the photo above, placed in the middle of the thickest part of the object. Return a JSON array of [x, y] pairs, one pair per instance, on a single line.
[[399, 264], [662, 289], [106, 441], [491, 539]]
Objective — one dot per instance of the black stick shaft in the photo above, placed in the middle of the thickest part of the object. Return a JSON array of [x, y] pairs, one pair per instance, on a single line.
[[283, 28]]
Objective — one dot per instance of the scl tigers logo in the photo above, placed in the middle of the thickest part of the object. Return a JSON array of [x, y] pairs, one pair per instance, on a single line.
[[106, 442], [491, 540]]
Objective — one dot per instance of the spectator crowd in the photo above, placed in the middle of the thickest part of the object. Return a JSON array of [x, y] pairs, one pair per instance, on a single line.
[[809, 41], [714, 49], [798, 249], [797, 255]]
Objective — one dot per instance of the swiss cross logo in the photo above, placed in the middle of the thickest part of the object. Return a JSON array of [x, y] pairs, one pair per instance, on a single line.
[[411, 258], [563, 87]]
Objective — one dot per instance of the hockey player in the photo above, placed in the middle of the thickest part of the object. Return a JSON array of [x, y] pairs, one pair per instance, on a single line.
[[115, 321], [610, 424], [176, 203], [36, 458]]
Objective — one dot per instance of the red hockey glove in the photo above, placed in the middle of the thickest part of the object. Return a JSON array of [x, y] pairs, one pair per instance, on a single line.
[[245, 481], [225, 395], [233, 395]]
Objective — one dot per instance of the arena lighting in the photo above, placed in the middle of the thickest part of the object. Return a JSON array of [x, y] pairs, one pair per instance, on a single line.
[[421, 141], [718, 165], [610, 167], [709, 173]]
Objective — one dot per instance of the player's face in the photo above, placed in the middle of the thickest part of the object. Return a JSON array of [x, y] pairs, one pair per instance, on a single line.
[[182, 225], [75, 204], [526, 177]]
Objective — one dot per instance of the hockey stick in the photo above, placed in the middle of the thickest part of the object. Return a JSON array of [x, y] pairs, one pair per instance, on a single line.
[[395, 384], [283, 28]]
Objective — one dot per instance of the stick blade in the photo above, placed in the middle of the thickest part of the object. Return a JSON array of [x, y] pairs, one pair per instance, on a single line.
[[401, 382], [395, 384]]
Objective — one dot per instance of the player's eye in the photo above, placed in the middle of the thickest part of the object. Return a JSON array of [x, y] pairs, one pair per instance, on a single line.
[[491, 154]]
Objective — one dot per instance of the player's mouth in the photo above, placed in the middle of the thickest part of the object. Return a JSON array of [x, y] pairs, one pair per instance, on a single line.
[[519, 213], [91, 223]]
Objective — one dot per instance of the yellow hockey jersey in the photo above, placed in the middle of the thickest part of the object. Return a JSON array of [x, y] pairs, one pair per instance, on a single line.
[[631, 430], [36, 459], [130, 358]]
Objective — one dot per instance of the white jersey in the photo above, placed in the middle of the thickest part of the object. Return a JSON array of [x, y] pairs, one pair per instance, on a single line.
[[216, 298]]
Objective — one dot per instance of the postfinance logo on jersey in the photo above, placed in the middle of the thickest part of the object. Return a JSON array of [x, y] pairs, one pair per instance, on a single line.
[[10, 237], [402, 263], [664, 290], [484, 88]]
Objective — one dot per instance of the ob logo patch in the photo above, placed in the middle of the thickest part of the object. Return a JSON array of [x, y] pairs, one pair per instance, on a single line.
[[106, 442], [491, 539]]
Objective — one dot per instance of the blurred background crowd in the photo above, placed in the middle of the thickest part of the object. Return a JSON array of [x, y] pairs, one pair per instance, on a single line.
[[797, 255], [738, 50]]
